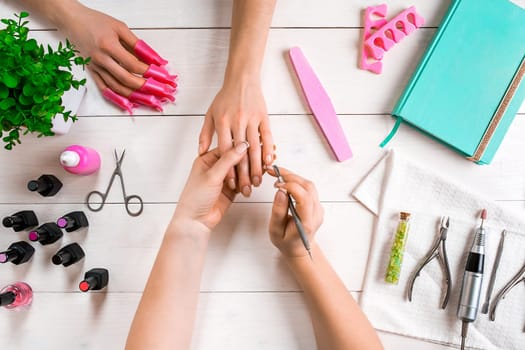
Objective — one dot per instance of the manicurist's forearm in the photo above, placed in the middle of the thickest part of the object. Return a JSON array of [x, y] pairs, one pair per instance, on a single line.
[[55, 11], [251, 20], [338, 321], [166, 313]]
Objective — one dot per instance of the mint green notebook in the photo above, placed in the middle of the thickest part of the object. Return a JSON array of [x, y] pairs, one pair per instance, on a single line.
[[468, 75]]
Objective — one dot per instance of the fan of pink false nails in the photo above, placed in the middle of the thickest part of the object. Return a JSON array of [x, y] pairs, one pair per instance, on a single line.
[[158, 88]]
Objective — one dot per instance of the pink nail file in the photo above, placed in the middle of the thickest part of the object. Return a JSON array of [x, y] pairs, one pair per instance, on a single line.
[[321, 106], [393, 32], [375, 18]]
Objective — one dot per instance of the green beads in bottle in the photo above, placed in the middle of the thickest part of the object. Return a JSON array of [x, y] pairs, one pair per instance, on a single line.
[[393, 270]]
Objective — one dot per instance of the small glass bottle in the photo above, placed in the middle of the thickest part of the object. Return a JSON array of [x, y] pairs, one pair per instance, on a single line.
[[393, 270], [15, 295]]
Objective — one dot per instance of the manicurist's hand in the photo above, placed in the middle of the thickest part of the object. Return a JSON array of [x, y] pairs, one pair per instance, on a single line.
[[283, 231], [206, 197]]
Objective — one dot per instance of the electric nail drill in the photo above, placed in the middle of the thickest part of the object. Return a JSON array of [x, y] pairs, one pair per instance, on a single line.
[[17, 253], [15, 295], [73, 221], [94, 279], [21, 220], [46, 234], [68, 255], [46, 185], [472, 281]]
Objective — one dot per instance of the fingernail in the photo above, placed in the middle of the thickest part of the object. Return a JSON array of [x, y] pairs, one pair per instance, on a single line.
[[274, 147], [280, 196], [278, 184], [242, 147], [231, 184], [274, 157], [283, 191], [269, 159], [256, 180], [246, 191]]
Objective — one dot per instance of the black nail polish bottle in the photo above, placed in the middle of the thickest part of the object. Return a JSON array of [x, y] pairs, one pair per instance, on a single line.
[[68, 255], [21, 220], [46, 234], [17, 253], [94, 279], [46, 185], [73, 221]]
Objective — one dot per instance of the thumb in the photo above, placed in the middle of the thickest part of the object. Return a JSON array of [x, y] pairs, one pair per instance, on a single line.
[[206, 134], [227, 161], [279, 213]]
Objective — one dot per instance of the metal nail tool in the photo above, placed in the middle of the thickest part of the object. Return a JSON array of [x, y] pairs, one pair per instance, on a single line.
[[472, 280], [103, 196], [439, 252], [517, 279], [295, 216], [490, 288]]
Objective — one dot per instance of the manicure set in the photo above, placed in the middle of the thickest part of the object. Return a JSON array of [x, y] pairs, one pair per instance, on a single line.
[[473, 275]]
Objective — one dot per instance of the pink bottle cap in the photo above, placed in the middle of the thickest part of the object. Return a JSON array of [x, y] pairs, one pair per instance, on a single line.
[[146, 100], [151, 86], [3, 258], [33, 236], [160, 74], [147, 54], [119, 100]]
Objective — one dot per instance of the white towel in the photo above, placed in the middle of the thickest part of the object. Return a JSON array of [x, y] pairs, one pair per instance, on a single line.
[[396, 185]]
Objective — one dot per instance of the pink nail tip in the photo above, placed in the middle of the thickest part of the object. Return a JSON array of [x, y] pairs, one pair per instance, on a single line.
[[160, 74], [146, 100], [160, 90], [3, 258], [147, 54], [119, 100]]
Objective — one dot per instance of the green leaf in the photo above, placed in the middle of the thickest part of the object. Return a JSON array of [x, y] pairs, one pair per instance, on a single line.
[[10, 80], [7, 103], [4, 91]]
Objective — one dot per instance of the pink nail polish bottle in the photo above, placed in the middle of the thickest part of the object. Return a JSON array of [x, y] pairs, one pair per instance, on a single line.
[[80, 160], [160, 74], [119, 100], [153, 87], [15, 295], [147, 54], [146, 100]]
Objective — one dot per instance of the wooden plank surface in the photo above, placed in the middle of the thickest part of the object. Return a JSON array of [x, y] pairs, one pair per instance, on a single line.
[[248, 299]]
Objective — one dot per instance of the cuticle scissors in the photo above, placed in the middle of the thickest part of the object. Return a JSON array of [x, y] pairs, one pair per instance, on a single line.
[[103, 196], [438, 251]]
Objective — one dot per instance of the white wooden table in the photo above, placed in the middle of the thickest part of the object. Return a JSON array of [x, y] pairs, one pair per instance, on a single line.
[[248, 300]]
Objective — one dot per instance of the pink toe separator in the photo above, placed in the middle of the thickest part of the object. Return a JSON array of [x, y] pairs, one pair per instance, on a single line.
[[119, 100], [394, 31], [147, 54], [160, 90], [146, 100], [160, 74], [379, 13]]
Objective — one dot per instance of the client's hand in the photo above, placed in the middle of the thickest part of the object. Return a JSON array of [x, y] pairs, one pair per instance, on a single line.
[[205, 197], [283, 232]]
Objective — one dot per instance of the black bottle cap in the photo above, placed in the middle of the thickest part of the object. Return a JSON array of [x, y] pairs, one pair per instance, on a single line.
[[10, 221], [68, 255], [46, 185], [7, 298], [73, 221], [33, 185], [17, 253], [94, 279], [46, 234], [21, 220]]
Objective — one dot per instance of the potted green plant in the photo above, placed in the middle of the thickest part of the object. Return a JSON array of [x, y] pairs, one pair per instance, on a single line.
[[33, 81]]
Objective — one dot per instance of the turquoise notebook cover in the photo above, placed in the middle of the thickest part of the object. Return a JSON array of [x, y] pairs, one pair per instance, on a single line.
[[464, 74]]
